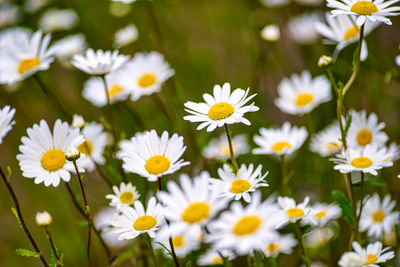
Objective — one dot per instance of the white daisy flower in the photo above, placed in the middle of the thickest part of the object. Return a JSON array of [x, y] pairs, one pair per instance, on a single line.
[[373, 254], [218, 148], [327, 142], [32, 6], [190, 206], [271, 33], [243, 229], [93, 146], [302, 30], [367, 160], [43, 153], [125, 36], [23, 56], [240, 185], [221, 108], [318, 237], [99, 62], [6, 115], [378, 217], [377, 10], [277, 244], [146, 73], [309, 2], [322, 214], [69, 46], [301, 93], [9, 14], [351, 259], [123, 196], [365, 130], [135, 221], [213, 257], [275, 3], [151, 156], [283, 141], [292, 212], [58, 20], [341, 31]]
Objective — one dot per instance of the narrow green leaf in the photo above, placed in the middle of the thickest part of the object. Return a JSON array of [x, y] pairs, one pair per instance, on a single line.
[[53, 260], [9, 173], [14, 211], [345, 205], [27, 253], [82, 223], [222, 161], [348, 124]]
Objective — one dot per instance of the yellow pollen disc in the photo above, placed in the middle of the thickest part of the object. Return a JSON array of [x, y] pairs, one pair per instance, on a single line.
[[53, 160], [295, 212], [364, 137], [247, 225], [217, 260], [361, 162], [114, 90], [178, 241], [126, 198], [351, 33], [226, 151], [378, 216], [304, 99], [196, 212], [147, 80], [371, 259], [28, 64], [144, 222], [330, 147], [272, 248], [366, 8], [239, 186], [157, 164], [278, 147], [320, 215], [220, 111], [85, 148]]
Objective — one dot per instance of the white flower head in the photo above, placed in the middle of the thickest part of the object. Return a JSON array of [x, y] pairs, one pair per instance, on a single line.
[[123, 196], [219, 147], [213, 257], [318, 237], [302, 30], [292, 212], [6, 123], [373, 254], [69, 46], [58, 20], [277, 244], [223, 107], [78, 121], [43, 218], [271, 33], [351, 259], [125, 36], [327, 142], [322, 214]]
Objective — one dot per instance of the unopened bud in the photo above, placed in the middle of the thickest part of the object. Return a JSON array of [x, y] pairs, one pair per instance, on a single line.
[[325, 61], [43, 218], [78, 121], [271, 33], [73, 154]]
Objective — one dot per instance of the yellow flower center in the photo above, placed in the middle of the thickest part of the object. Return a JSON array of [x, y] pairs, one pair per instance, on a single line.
[[304, 99], [364, 8], [157, 164], [217, 260], [144, 223], [361, 162], [225, 150], [220, 111], [378, 216], [53, 160], [351, 33], [126, 198], [272, 248], [28, 64], [147, 80], [330, 147], [278, 147], [239, 186], [247, 225], [295, 212], [85, 148], [320, 215], [196, 212], [364, 137], [178, 241], [114, 90], [371, 259]]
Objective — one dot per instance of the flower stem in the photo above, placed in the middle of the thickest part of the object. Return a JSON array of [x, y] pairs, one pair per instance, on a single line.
[[301, 242], [283, 175], [153, 255], [21, 219], [53, 247], [361, 206], [110, 114], [229, 136]]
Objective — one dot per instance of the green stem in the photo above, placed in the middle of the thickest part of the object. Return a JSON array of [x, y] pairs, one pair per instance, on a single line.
[[229, 136], [53, 247], [301, 243], [110, 113], [153, 255], [249, 260], [283, 175]]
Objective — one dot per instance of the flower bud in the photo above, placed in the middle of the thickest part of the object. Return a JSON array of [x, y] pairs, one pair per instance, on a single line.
[[78, 121], [73, 154], [271, 33], [325, 61], [43, 218]]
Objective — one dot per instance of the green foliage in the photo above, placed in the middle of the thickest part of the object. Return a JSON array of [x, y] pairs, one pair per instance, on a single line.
[[345, 205], [372, 182], [27, 253], [348, 124], [123, 257], [14, 211]]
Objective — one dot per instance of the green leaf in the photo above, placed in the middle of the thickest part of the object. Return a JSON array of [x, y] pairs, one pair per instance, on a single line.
[[9, 173], [27, 253], [345, 205], [105, 123], [188, 264], [53, 260], [372, 182], [348, 124], [82, 223], [14, 211]]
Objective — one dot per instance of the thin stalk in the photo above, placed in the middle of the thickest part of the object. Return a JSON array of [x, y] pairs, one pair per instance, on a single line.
[[361, 206], [53, 247], [283, 175], [301, 242], [229, 136], [249, 260], [21, 219], [110, 114], [160, 103], [151, 249], [87, 212]]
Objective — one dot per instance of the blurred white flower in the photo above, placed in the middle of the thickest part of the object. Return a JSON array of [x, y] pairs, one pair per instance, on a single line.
[[125, 36], [69, 46], [318, 237], [327, 142], [43, 218], [9, 14], [31, 6], [398, 59], [373, 254], [291, 212], [302, 28], [275, 3], [77, 121], [277, 244], [271, 33], [6, 115], [124, 1], [219, 147], [322, 214], [310, 2], [58, 20], [351, 259]]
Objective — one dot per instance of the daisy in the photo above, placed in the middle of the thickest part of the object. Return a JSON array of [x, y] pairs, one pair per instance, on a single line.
[[146, 73], [282, 141], [221, 108], [365, 130], [351, 259], [302, 30], [93, 146], [270, 33], [322, 214], [43, 152], [373, 254], [190, 206], [213, 257], [341, 31], [6, 115], [135, 221], [301, 93], [151, 156], [275, 3], [292, 212], [23, 55], [327, 142], [277, 243], [125, 36], [377, 10], [123, 196], [243, 229], [69, 46], [378, 217], [367, 160], [58, 20], [99, 62], [318, 237], [219, 148], [240, 185]]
